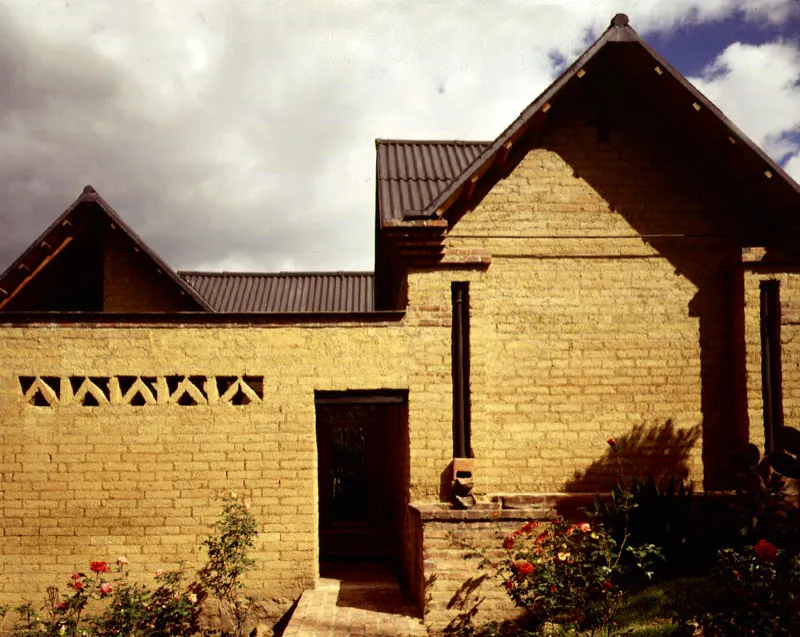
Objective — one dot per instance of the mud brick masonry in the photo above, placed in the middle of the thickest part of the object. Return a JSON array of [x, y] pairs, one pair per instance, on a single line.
[[620, 262]]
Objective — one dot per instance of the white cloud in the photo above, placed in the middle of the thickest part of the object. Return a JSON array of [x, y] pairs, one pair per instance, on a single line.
[[793, 167], [757, 88], [241, 133]]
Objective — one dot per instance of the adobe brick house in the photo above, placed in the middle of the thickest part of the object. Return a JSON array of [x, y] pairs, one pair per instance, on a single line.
[[620, 262]]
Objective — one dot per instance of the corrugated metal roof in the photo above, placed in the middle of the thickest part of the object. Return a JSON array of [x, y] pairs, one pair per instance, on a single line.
[[284, 291], [411, 174]]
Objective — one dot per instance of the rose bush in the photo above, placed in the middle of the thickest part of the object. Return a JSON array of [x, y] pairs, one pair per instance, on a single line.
[[571, 574], [759, 594], [131, 609]]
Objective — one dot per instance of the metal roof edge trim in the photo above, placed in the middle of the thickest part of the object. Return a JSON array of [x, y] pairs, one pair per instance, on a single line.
[[171, 319], [281, 273]]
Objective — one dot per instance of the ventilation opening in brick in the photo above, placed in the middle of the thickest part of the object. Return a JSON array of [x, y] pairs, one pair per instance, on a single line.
[[256, 383], [102, 384], [172, 383], [224, 383], [54, 383], [25, 383], [89, 400], [240, 398], [137, 400], [125, 383], [75, 383], [186, 400], [200, 383]]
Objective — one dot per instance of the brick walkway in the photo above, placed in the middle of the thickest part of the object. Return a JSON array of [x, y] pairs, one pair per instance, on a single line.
[[355, 603]]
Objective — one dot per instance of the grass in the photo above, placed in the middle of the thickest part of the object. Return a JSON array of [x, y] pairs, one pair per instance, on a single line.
[[647, 612]]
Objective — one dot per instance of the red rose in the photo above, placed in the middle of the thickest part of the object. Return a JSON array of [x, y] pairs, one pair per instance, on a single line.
[[75, 576], [541, 537], [78, 585], [765, 551], [99, 567], [62, 606], [508, 543], [611, 442], [509, 585], [553, 589], [523, 567], [607, 585], [528, 527]]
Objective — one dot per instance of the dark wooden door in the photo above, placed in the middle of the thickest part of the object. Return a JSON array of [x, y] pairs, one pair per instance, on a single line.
[[353, 479]]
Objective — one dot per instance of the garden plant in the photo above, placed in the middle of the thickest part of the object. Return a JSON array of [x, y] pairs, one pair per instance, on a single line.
[[105, 602]]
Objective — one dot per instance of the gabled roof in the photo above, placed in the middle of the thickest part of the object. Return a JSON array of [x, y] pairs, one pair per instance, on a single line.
[[284, 291], [708, 127], [62, 232], [411, 174]]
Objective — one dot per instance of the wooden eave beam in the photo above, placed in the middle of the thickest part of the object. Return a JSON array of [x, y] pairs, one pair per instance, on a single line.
[[36, 271]]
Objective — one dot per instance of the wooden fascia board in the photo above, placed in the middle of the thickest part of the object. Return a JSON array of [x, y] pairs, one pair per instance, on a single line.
[[21, 285]]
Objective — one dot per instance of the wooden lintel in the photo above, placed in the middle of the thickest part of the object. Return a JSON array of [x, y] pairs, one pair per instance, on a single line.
[[39, 268]]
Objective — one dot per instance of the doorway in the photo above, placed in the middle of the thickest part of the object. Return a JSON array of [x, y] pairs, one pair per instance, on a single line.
[[363, 461]]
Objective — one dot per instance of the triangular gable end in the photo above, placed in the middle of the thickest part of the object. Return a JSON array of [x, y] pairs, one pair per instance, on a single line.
[[777, 192], [90, 260]]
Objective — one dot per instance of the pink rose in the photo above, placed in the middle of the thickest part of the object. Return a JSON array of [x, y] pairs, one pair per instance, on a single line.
[[585, 528], [122, 560], [106, 589]]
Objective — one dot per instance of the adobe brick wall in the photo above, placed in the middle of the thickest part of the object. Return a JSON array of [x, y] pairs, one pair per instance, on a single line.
[[582, 329], [82, 483], [455, 591], [789, 280]]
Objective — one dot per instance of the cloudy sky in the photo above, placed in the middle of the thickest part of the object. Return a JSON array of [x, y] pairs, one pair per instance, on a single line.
[[239, 134]]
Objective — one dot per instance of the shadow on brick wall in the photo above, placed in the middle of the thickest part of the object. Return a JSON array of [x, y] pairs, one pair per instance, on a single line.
[[684, 208], [661, 451]]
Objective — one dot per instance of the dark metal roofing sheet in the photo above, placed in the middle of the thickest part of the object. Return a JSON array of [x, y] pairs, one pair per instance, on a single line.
[[284, 291], [411, 174]]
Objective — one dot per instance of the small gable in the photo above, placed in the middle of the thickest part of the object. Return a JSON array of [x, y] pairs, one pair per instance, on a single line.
[[90, 261]]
